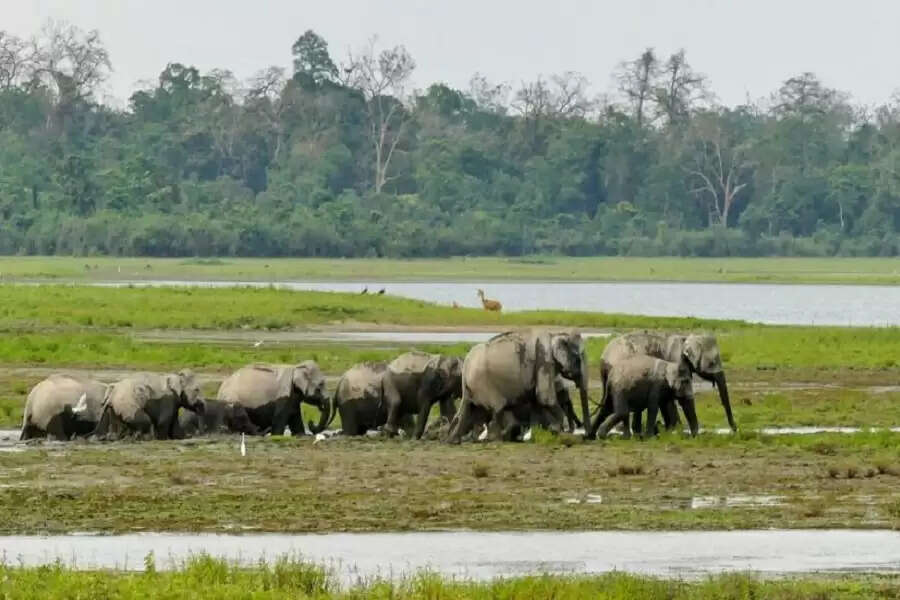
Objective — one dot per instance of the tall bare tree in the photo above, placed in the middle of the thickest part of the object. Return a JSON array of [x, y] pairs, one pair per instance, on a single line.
[[636, 80], [679, 89], [17, 60], [382, 78], [719, 165], [70, 63]]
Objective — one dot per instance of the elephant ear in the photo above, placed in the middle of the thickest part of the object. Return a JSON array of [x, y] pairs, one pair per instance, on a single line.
[[702, 352], [302, 379], [175, 383], [545, 369], [285, 382]]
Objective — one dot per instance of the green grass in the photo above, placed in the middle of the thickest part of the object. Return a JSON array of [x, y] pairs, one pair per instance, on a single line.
[[206, 577], [550, 268], [24, 306]]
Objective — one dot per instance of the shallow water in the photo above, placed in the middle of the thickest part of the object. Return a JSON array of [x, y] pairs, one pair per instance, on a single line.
[[762, 303], [482, 555]]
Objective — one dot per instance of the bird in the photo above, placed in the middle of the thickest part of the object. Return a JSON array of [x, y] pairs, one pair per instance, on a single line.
[[81, 405], [365, 290], [243, 446], [381, 292], [258, 343]]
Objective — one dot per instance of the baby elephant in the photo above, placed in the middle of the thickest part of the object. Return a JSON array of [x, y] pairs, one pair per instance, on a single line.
[[643, 382]]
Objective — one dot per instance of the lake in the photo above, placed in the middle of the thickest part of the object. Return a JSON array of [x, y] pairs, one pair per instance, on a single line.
[[782, 304]]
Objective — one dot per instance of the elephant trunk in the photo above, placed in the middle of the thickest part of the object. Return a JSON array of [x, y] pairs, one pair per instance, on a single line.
[[325, 416], [583, 393], [722, 385]]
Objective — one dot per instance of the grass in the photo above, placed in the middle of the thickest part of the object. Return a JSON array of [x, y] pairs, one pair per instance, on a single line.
[[548, 268], [26, 306], [205, 577], [292, 485]]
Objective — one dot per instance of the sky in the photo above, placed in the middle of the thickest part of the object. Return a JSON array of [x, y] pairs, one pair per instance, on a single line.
[[746, 48]]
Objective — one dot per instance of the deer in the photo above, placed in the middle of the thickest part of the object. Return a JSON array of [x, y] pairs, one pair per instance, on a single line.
[[492, 305]]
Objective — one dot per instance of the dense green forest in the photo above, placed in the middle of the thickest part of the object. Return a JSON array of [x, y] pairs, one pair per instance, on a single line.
[[342, 158]]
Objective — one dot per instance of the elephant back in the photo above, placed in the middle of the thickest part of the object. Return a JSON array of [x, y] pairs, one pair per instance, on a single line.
[[253, 386], [363, 380]]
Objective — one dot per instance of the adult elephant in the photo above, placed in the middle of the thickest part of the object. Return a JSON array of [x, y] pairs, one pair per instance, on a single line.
[[700, 351], [413, 382], [641, 382], [63, 406], [146, 405], [270, 397], [513, 375]]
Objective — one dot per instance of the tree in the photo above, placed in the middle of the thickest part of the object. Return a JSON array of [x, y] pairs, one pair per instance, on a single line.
[[71, 64], [312, 62], [636, 81], [679, 88], [381, 78], [719, 165]]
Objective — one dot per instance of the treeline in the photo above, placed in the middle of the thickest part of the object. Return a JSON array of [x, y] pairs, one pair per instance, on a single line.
[[344, 159]]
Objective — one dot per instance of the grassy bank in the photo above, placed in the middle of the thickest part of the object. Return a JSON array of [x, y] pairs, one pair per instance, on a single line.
[[286, 484], [206, 577], [23, 306], [778, 270]]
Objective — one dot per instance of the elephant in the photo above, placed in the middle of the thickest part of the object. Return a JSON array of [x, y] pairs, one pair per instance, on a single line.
[[63, 406], [642, 382], [217, 417], [377, 394], [413, 382], [359, 398], [700, 351], [146, 405], [268, 398], [511, 379]]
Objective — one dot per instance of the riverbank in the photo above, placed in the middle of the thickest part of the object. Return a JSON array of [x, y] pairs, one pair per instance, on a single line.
[[204, 577], [884, 271]]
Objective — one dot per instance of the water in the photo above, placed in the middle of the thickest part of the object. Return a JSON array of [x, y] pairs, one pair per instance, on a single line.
[[761, 303], [486, 555]]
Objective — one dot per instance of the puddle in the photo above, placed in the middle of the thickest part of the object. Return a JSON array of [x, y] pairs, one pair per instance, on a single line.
[[735, 501], [486, 555]]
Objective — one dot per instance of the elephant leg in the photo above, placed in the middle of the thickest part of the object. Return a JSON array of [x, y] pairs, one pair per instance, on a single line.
[[349, 421], [391, 398], [141, 425], [620, 414], [56, 428], [422, 420], [637, 425], [652, 411], [463, 422], [295, 422]]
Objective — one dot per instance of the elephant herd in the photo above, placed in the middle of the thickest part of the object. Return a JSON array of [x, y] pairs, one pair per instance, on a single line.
[[505, 385]]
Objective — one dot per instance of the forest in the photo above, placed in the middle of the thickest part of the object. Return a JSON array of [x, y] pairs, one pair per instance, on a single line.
[[342, 157]]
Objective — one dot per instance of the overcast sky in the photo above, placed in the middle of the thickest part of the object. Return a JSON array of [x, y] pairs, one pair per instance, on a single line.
[[745, 47]]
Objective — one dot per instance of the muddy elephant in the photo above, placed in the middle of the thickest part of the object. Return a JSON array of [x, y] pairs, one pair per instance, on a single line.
[[701, 352], [413, 382], [270, 397], [512, 378], [63, 406], [217, 417], [145, 405], [358, 398], [640, 383]]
